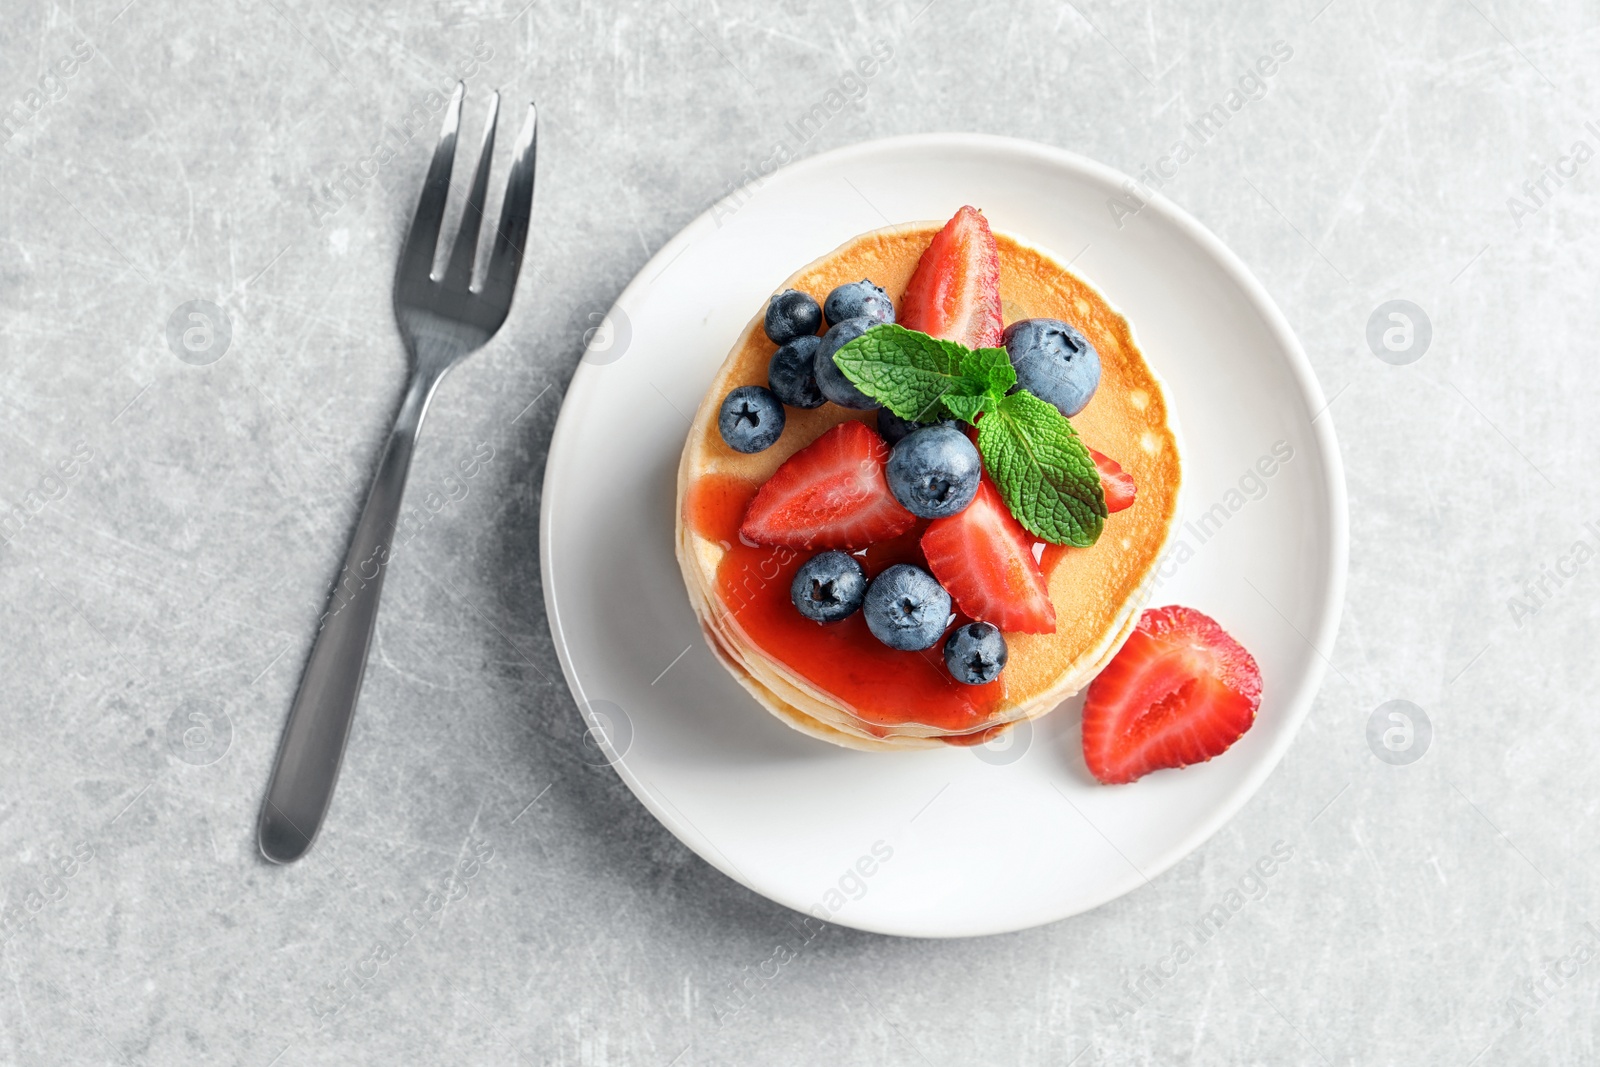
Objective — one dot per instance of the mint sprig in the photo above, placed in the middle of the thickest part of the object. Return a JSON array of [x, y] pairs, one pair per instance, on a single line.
[[1043, 470], [914, 375]]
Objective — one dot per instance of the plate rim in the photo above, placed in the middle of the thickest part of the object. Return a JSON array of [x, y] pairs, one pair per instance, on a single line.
[[1334, 571]]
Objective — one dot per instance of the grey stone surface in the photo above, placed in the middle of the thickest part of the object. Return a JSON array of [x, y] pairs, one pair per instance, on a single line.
[[174, 523]]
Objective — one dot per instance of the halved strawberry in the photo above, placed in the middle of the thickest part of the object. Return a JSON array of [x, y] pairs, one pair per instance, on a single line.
[[1114, 482], [1181, 691], [954, 293], [984, 559], [830, 494]]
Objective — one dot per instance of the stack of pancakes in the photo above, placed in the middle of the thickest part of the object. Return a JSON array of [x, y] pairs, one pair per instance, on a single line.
[[1095, 590]]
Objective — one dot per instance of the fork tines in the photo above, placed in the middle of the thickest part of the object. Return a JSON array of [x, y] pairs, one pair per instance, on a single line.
[[505, 255]]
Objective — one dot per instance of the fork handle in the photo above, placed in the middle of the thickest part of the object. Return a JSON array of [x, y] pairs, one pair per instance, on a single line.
[[319, 720]]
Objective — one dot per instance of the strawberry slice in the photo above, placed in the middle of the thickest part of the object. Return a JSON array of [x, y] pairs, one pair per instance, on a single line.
[[1114, 482], [984, 559], [1181, 691], [830, 494], [954, 293]]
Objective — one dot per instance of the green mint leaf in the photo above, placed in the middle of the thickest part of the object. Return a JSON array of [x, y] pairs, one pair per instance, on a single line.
[[967, 407], [992, 367], [1043, 471], [906, 371]]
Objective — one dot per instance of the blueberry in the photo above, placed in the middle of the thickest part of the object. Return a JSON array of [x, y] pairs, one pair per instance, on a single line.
[[828, 587], [855, 299], [906, 609], [751, 419], [834, 385], [1054, 362], [791, 314], [934, 471], [793, 373], [975, 653], [892, 428]]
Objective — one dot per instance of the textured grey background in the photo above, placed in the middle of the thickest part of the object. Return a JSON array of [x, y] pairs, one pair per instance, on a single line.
[[173, 527]]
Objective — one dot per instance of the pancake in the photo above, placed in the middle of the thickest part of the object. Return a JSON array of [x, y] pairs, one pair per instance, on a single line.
[[837, 683]]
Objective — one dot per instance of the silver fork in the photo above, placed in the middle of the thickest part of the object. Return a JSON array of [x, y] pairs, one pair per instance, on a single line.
[[441, 319]]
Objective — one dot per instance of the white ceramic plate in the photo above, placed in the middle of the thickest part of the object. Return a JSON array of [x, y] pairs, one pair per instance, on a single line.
[[964, 841]]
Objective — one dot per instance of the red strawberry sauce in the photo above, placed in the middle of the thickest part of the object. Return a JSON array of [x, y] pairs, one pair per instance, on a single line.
[[883, 686]]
